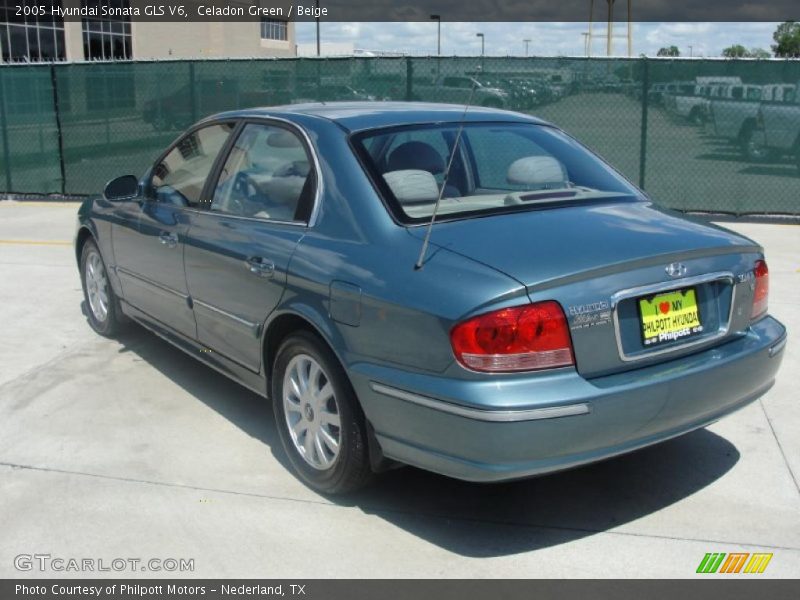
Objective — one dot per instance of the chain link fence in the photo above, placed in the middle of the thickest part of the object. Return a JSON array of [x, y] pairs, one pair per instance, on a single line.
[[703, 135]]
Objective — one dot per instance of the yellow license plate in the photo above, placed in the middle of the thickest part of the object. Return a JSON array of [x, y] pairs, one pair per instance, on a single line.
[[669, 317]]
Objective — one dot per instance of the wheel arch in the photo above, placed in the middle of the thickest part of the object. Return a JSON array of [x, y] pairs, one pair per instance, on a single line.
[[305, 318], [748, 125], [84, 234], [289, 320]]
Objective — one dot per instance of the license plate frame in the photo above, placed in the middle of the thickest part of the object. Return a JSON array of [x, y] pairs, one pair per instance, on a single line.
[[669, 317]]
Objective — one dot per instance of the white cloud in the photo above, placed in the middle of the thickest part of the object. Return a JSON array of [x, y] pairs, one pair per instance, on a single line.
[[547, 39]]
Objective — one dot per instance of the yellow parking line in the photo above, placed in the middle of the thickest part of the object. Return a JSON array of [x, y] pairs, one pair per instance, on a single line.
[[35, 243]]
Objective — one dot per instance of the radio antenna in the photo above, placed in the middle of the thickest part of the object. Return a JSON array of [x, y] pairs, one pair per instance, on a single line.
[[427, 239]]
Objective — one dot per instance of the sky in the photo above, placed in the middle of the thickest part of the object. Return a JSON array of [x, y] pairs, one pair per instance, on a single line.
[[547, 39]]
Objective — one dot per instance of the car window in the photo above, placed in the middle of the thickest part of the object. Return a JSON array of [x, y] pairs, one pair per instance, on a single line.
[[495, 150], [266, 175], [498, 167], [180, 176]]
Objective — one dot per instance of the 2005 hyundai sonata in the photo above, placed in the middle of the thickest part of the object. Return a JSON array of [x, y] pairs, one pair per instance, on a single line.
[[470, 292]]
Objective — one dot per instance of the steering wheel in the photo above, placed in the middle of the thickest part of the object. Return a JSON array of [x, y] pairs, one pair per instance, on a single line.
[[243, 191]]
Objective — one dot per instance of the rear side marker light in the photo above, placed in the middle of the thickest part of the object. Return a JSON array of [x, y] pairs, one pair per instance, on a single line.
[[761, 290], [522, 338]]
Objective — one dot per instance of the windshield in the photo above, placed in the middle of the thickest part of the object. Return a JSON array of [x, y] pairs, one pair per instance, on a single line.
[[496, 167]]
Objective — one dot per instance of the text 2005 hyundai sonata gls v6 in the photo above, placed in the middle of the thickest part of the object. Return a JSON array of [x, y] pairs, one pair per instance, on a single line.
[[556, 316]]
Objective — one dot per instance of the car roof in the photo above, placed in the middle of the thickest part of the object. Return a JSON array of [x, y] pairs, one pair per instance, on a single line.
[[360, 116]]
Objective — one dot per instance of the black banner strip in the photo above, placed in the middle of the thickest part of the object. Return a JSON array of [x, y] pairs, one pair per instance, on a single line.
[[342, 589], [407, 10]]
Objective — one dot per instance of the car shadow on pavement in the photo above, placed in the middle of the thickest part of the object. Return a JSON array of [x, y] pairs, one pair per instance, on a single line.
[[480, 520], [485, 520]]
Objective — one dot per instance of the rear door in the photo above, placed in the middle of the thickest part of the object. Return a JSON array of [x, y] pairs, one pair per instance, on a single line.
[[149, 240], [239, 246]]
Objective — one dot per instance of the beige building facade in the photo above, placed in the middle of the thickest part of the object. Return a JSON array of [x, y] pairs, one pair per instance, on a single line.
[[41, 40]]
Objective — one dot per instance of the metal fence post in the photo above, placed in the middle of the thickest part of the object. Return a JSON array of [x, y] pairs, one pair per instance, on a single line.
[[57, 111], [643, 138], [6, 154], [192, 92], [409, 79]]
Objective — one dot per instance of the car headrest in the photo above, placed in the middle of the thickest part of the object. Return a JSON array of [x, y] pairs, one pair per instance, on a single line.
[[417, 156], [412, 186], [537, 171]]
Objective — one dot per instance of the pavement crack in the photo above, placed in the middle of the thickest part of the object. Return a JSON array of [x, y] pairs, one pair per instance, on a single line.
[[780, 447]]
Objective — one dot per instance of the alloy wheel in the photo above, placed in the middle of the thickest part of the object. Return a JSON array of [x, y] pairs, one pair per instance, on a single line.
[[97, 286], [311, 411]]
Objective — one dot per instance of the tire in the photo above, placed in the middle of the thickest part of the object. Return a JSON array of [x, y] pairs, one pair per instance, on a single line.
[[309, 415], [752, 151], [102, 305]]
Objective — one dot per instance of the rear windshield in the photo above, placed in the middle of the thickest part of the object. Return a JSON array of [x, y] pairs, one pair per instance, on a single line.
[[496, 167]]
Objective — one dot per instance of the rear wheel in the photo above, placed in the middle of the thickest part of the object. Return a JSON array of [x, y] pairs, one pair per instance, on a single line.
[[102, 305], [320, 423]]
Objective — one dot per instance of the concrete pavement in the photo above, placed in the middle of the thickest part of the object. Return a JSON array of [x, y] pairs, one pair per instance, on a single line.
[[130, 449]]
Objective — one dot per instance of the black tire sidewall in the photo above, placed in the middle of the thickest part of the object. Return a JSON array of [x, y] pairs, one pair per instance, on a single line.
[[352, 463]]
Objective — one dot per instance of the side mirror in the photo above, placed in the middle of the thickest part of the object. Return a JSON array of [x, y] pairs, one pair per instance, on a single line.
[[122, 188]]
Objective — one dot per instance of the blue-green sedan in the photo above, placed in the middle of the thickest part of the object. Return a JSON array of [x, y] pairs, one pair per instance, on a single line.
[[471, 292]]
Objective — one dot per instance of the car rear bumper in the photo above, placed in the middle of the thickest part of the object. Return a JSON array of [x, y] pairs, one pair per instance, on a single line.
[[504, 428]]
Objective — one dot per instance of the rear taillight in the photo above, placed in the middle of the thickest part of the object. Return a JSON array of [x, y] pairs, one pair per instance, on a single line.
[[761, 291], [522, 338]]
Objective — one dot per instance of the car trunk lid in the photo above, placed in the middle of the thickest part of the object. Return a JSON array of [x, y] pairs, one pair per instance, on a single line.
[[598, 260]]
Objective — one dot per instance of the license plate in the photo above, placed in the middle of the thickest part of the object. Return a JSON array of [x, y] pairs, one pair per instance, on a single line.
[[669, 317]]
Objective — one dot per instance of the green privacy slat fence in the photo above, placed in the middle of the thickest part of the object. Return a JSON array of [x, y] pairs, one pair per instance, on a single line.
[[708, 135]]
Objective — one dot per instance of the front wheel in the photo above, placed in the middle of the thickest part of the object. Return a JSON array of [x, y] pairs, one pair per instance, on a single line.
[[320, 423], [102, 305]]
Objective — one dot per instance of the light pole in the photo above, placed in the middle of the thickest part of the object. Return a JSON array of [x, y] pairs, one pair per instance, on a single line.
[[610, 31], [483, 47], [691, 51], [316, 4], [438, 19], [527, 41]]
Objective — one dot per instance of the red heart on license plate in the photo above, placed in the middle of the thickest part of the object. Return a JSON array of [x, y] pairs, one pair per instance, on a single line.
[[664, 307]]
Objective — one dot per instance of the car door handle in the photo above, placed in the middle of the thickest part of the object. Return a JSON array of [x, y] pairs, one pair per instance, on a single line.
[[260, 266], [169, 239]]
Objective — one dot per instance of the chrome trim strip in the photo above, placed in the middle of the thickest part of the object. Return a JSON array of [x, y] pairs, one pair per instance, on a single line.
[[666, 286], [493, 416], [214, 213], [155, 284], [224, 313], [778, 347]]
